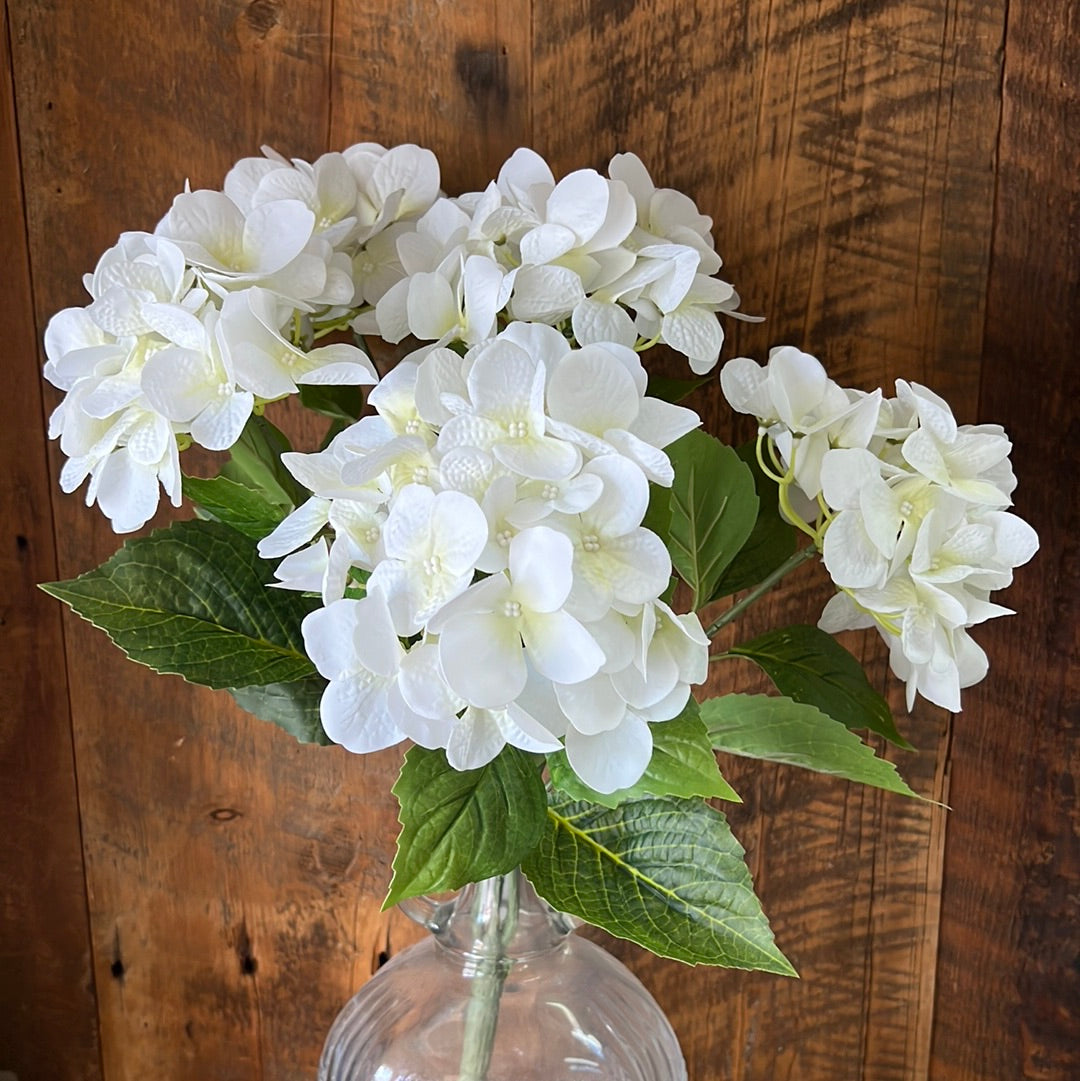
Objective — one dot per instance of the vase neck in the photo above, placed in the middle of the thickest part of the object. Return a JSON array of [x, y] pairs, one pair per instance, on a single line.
[[501, 917]]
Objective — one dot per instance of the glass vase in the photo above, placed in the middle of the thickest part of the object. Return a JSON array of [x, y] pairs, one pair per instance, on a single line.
[[501, 991]]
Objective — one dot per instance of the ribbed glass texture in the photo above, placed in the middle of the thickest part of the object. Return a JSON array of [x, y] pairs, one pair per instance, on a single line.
[[560, 1007]]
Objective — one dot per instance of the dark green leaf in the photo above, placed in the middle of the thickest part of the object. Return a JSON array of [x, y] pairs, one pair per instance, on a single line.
[[771, 541], [242, 508], [665, 873], [658, 513], [192, 599], [674, 390], [462, 826], [682, 764], [809, 665], [713, 510], [781, 730], [292, 706], [255, 462], [336, 401]]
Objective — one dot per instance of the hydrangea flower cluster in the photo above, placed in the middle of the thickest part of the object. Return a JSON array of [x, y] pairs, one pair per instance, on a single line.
[[907, 506], [192, 328], [494, 511]]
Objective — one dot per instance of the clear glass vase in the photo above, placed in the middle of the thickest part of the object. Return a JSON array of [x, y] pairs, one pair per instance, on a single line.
[[502, 991]]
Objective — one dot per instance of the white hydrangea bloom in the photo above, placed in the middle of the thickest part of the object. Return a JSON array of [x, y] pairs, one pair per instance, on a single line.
[[916, 535]]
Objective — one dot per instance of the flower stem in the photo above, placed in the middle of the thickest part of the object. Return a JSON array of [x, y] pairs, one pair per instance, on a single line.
[[795, 560], [494, 920]]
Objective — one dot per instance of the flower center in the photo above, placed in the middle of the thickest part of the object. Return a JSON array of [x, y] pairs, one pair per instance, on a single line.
[[412, 426], [224, 389], [590, 542], [551, 491], [503, 538], [907, 508], [432, 565], [511, 609], [517, 429]]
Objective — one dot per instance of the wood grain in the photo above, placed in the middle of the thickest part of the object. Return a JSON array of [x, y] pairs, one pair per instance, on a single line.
[[48, 1019], [225, 865], [874, 202], [454, 77], [1009, 970], [845, 152]]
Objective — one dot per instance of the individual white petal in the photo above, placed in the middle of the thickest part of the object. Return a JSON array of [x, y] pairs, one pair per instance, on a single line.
[[540, 457], [275, 234], [593, 705], [424, 686], [329, 638], [591, 390], [482, 658], [219, 425], [559, 647], [297, 529], [595, 321], [660, 423], [852, 559], [609, 761], [431, 306], [546, 243], [546, 294], [303, 570], [522, 730], [745, 385], [475, 740], [411, 170], [540, 561], [355, 714], [127, 491], [697, 334]]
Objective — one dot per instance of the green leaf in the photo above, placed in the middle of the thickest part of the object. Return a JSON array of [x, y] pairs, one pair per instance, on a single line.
[[674, 390], [255, 462], [782, 730], [682, 764], [339, 402], [461, 826], [713, 510], [808, 665], [665, 873], [244, 509], [293, 706], [771, 541], [658, 513], [192, 600]]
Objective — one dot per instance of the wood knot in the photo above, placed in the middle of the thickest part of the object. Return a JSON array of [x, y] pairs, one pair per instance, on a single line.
[[226, 814], [484, 73], [261, 16]]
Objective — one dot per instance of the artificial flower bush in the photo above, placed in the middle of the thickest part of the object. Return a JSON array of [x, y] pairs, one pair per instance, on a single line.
[[482, 557]]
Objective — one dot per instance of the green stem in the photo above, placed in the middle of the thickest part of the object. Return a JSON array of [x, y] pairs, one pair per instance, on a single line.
[[493, 931], [736, 610]]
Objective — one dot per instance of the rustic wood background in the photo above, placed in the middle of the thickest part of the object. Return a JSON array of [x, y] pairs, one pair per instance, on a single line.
[[186, 893]]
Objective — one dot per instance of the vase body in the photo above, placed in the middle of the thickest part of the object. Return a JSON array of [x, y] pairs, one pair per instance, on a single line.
[[502, 991]]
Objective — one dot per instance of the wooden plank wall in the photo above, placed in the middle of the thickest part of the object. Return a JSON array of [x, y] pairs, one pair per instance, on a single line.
[[187, 893]]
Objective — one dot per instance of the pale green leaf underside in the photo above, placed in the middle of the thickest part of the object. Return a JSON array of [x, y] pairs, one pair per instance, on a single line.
[[665, 873], [682, 764], [780, 730], [713, 510], [192, 600], [459, 826], [242, 508]]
